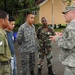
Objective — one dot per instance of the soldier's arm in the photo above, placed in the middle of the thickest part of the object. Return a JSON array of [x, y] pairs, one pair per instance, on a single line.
[[20, 36], [2, 49], [67, 42]]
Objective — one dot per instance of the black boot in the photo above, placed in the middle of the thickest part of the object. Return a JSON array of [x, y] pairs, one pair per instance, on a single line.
[[50, 71], [39, 72], [32, 72]]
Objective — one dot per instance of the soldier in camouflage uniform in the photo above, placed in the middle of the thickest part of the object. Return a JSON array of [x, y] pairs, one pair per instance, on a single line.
[[26, 38], [45, 48], [66, 41]]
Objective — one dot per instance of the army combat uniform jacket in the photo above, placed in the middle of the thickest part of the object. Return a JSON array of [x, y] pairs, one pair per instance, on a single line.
[[67, 44], [5, 53], [26, 38]]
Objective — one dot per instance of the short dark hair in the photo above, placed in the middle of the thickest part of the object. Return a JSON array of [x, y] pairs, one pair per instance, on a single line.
[[3, 14], [42, 18], [11, 18], [27, 13]]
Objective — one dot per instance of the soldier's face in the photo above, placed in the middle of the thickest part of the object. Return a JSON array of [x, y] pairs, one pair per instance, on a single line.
[[30, 19], [11, 25], [44, 21], [69, 16], [5, 22]]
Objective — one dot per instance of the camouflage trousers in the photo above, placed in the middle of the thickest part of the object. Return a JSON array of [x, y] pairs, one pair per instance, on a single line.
[[41, 55], [69, 70], [27, 62]]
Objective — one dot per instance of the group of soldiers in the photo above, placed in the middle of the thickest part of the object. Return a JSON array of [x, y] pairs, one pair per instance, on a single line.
[[26, 38]]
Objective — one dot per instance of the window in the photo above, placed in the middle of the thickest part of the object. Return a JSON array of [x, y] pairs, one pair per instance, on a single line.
[[35, 13]]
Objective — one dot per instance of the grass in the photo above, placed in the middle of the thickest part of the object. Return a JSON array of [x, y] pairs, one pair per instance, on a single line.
[[59, 29]]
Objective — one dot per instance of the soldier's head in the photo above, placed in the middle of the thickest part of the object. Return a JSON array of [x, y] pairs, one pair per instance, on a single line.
[[30, 18], [11, 23], [44, 21], [69, 13], [4, 19]]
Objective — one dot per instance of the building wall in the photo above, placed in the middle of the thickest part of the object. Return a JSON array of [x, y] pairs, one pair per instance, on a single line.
[[46, 11], [37, 17], [58, 8]]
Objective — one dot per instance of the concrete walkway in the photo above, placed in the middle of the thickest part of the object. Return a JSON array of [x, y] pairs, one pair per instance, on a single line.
[[57, 66]]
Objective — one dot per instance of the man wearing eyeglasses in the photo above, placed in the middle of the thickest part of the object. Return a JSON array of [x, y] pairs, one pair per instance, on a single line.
[[66, 41], [45, 48]]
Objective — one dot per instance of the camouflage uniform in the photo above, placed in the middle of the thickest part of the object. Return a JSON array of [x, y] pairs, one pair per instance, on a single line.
[[67, 44], [26, 39], [44, 45], [5, 54]]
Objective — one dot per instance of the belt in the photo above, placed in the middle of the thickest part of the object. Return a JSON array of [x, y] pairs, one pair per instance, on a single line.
[[5, 62]]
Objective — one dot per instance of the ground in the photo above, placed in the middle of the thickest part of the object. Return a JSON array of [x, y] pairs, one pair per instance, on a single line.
[[58, 68]]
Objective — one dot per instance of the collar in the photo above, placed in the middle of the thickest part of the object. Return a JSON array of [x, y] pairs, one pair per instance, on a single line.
[[28, 25]]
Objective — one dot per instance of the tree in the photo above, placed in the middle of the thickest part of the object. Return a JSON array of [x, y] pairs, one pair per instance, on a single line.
[[27, 6], [20, 7], [67, 2], [11, 6]]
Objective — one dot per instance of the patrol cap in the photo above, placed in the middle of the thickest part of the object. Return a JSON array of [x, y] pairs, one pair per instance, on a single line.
[[68, 8]]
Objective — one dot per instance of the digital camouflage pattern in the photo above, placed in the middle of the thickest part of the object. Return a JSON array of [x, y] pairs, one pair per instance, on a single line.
[[45, 47], [67, 45], [26, 38]]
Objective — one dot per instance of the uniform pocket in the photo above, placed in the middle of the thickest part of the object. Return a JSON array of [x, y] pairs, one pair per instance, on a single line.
[[27, 38]]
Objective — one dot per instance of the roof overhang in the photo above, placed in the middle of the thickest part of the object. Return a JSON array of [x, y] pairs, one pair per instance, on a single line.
[[43, 3]]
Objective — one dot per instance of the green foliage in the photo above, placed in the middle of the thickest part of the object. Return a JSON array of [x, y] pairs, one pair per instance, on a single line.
[[63, 24], [59, 29], [11, 6], [38, 25], [20, 19], [67, 2], [28, 9], [1, 4], [28, 3]]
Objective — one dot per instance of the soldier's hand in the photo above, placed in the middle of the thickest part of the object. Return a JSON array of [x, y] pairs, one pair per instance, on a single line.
[[57, 34]]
